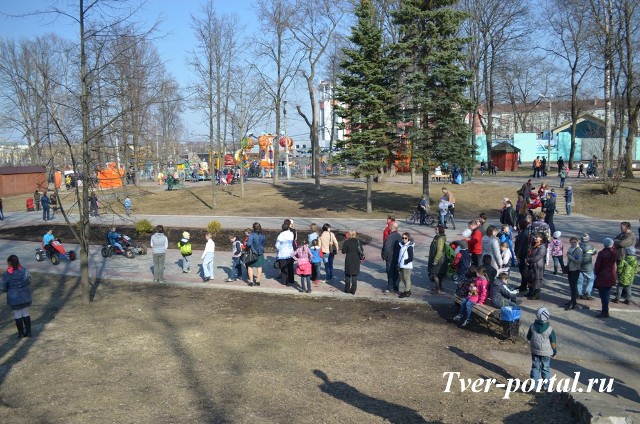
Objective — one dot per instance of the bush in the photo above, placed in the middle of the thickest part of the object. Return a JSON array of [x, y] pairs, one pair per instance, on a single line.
[[214, 227], [144, 227]]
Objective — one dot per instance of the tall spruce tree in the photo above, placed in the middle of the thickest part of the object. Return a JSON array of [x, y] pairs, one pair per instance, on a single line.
[[428, 57], [366, 99]]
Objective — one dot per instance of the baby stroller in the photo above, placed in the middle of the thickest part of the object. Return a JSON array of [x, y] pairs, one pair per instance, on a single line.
[[54, 251], [30, 205]]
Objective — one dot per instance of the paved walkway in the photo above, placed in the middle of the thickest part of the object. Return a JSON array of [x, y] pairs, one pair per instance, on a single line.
[[594, 347]]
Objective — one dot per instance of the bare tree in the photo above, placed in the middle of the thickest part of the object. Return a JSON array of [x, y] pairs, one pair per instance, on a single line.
[[520, 80], [628, 13], [281, 58], [601, 13], [248, 108], [211, 62], [495, 28], [314, 29], [569, 23], [23, 68]]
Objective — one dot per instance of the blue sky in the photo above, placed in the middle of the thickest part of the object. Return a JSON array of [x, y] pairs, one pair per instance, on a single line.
[[173, 47]]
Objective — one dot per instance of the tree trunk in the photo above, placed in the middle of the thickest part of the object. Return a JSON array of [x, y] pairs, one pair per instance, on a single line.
[[85, 225], [369, 186], [425, 181]]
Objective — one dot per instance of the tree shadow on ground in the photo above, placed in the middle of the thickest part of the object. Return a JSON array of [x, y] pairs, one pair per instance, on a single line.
[[620, 389], [14, 350], [390, 412], [474, 359], [340, 198]]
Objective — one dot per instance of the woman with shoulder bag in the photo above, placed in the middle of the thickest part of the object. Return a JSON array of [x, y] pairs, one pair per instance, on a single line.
[[329, 247], [256, 243]]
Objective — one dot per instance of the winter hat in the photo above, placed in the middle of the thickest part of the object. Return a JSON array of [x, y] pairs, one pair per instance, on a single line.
[[608, 242], [186, 235], [466, 233], [463, 244], [557, 234], [584, 238], [569, 188], [542, 314], [630, 250]]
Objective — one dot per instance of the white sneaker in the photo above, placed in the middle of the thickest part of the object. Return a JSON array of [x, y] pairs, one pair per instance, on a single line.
[[466, 322], [457, 318]]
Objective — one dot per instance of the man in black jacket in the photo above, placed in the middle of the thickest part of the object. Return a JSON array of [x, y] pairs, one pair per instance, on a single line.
[[390, 251]]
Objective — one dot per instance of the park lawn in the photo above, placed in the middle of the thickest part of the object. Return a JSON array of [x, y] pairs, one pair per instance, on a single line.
[[345, 197]]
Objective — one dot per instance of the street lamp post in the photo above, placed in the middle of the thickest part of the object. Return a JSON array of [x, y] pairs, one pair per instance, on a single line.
[[548, 167]]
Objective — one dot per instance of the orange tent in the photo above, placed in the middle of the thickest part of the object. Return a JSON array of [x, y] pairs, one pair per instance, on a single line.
[[110, 177]]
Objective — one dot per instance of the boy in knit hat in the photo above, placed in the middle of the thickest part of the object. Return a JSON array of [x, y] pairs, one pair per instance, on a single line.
[[542, 342], [185, 250]]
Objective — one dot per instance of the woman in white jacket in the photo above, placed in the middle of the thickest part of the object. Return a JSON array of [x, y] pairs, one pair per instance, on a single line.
[[405, 263], [207, 258]]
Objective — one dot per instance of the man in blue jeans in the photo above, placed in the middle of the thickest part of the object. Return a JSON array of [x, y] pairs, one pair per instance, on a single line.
[[586, 268], [390, 251]]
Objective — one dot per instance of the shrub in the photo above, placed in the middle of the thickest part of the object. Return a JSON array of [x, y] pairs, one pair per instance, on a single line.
[[144, 227], [214, 227]]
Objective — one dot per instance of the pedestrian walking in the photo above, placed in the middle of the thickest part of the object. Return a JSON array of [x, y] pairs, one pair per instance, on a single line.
[[159, 245], [127, 206]]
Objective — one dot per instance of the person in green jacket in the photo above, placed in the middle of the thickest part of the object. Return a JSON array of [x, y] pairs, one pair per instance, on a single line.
[[627, 270]]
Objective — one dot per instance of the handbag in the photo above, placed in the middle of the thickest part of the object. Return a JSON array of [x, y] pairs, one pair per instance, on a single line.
[[361, 253], [250, 257], [529, 274], [333, 250]]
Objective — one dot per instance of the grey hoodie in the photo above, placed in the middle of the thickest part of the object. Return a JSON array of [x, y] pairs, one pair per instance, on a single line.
[[159, 243]]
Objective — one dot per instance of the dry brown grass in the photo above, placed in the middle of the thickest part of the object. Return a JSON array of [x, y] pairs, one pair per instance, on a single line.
[[153, 354], [344, 197]]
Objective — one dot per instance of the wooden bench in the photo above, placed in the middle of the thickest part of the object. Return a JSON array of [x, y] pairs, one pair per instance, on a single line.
[[444, 178], [484, 311]]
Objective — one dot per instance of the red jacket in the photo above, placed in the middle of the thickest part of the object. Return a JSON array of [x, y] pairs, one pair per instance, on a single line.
[[605, 268], [475, 242], [386, 232]]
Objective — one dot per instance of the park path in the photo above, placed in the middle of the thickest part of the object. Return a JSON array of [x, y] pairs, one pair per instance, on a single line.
[[595, 348]]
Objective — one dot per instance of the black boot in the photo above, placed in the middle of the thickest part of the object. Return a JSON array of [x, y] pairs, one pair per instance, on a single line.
[[27, 326], [535, 294], [20, 328]]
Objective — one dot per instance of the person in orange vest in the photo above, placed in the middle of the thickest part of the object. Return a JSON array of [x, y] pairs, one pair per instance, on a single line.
[[536, 167]]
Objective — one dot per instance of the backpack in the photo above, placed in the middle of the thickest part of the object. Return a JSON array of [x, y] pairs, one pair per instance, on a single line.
[[449, 253], [185, 248]]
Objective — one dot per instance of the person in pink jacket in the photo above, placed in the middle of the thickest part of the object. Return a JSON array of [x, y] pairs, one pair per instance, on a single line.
[[478, 291], [303, 268]]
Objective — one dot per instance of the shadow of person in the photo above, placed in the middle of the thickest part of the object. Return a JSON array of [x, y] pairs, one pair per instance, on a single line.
[[389, 411]]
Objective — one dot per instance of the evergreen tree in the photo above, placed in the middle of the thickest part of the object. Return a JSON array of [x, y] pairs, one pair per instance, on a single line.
[[366, 99], [428, 57]]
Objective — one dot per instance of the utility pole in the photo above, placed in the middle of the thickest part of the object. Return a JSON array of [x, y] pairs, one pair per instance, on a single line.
[[286, 140]]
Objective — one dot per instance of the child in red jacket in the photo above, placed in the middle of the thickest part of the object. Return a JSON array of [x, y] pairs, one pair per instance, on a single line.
[[477, 294]]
